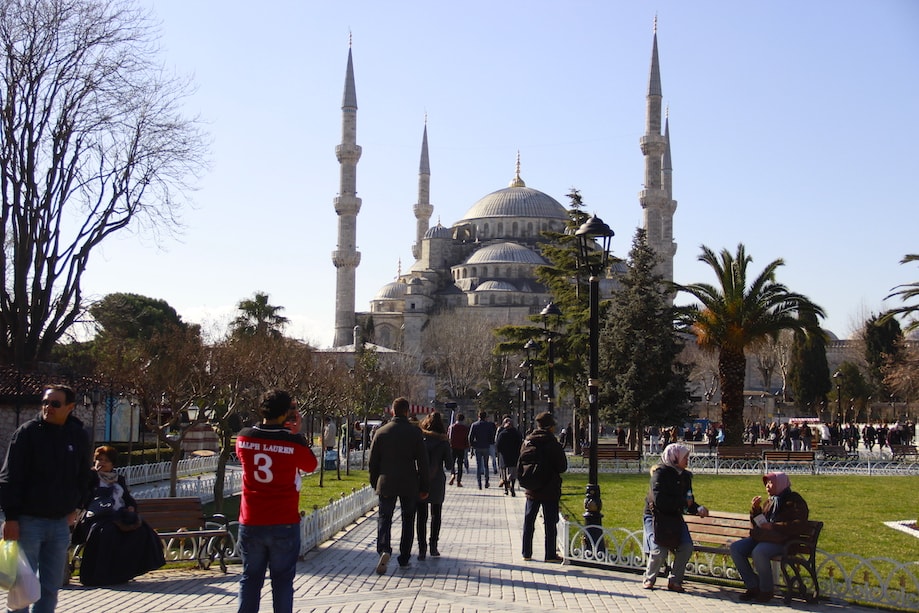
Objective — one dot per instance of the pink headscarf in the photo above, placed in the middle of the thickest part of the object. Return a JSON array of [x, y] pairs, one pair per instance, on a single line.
[[780, 480], [673, 453]]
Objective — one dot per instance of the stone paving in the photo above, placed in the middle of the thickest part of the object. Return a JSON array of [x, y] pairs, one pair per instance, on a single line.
[[480, 569]]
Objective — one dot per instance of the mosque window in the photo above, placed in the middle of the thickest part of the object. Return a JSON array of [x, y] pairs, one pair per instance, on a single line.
[[529, 229], [412, 307], [514, 229], [485, 271], [500, 229], [485, 231], [475, 271]]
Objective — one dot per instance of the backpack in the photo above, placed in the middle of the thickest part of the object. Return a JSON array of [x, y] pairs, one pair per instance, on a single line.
[[530, 474]]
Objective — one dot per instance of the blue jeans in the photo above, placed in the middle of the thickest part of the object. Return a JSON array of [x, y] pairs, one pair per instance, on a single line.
[[762, 554], [481, 464], [657, 555], [44, 542], [550, 519], [275, 548], [384, 525]]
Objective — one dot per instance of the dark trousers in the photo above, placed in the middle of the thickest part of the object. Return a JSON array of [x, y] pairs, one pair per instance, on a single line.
[[408, 505], [550, 518], [459, 458], [436, 511]]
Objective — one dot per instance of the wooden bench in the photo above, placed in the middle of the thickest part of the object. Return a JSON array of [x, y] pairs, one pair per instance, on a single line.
[[903, 452], [837, 452], [611, 451], [715, 533], [181, 524], [786, 458], [741, 452]]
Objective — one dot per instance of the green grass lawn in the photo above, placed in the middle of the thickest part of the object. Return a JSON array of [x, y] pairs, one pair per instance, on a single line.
[[851, 507]]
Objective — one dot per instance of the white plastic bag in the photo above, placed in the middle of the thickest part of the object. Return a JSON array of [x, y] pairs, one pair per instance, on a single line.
[[9, 561], [26, 589]]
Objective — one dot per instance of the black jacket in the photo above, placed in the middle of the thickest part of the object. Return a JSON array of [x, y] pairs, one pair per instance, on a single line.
[[669, 491], [47, 470], [551, 454]]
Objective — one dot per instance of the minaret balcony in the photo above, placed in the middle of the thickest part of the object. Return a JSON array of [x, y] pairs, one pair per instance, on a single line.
[[346, 259], [347, 153]]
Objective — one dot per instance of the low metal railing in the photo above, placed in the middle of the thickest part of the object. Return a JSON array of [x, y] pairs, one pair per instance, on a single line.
[[844, 576]]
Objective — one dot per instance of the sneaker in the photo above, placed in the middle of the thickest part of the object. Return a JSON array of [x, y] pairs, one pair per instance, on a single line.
[[763, 597], [527, 558], [647, 584], [748, 595], [383, 563]]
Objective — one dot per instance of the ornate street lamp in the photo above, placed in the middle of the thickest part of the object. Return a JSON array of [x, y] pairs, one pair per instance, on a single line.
[[594, 238], [551, 316], [838, 377], [531, 345]]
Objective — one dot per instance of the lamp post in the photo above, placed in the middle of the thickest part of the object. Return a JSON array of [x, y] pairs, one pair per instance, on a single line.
[[529, 364], [838, 377], [550, 326], [591, 260], [521, 398]]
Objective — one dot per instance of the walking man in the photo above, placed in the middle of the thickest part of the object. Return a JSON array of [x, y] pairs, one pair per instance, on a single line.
[[482, 438], [44, 479], [398, 469], [550, 456], [458, 433], [269, 515]]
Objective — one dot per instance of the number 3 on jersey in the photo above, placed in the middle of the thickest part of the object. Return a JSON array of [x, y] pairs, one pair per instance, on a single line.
[[262, 472]]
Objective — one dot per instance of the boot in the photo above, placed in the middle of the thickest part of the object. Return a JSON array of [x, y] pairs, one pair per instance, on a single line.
[[513, 493], [434, 551], [422, 551]]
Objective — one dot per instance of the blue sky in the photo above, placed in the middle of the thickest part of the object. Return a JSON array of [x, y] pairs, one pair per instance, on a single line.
[[792, 130]]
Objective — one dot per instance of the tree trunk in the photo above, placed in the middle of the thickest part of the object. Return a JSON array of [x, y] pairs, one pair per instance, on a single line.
[[731, 368]]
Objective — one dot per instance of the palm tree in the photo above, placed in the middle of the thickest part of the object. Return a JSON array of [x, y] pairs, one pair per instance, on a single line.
[[907, 291], [733, 318], [258, 319]]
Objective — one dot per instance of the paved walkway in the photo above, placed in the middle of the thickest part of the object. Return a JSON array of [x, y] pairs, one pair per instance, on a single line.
[[480, 569]]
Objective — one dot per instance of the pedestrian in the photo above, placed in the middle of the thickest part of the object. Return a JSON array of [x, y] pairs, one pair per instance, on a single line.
[[269, 513], [329, 434], [458, 433], [440, 458], [481, 439], [552, 462], [782, 518], [398, 469], [669, 496], [508, 444], [44, 479]]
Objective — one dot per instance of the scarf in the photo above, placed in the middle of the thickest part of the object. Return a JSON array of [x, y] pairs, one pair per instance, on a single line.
[[107, 478]]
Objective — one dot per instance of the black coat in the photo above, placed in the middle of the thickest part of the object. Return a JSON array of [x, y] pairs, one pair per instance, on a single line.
[[551, 455]]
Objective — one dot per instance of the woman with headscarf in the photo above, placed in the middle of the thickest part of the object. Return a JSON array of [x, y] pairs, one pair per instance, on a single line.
[[670, 496], [782, 518]]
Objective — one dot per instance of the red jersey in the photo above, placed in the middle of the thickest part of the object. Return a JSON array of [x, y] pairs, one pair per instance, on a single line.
[[272, 458]]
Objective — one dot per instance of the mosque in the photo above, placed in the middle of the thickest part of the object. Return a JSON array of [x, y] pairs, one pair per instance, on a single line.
[[487, 259]]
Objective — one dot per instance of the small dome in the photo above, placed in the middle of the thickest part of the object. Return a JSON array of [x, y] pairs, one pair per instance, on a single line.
[[505, 252], [391, 291], [516, 202], [438, 231], [496, 286]]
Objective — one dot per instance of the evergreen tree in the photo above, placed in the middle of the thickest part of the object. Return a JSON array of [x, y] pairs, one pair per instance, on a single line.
[[810, 373], [882, 347], [642, 381]]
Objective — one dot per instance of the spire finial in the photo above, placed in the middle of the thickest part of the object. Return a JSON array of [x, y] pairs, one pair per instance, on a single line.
[[517, 181], [667, 112], [399, 269], [351, 36], [655, 23]]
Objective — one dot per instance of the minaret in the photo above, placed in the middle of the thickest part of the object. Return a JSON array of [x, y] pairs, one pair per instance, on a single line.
[[657, 196], [346, 258], [423, 209]]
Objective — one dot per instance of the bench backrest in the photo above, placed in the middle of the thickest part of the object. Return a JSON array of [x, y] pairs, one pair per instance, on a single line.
[[742, 451], [719, 528], [800, 456], [805, 543], [169, 514]]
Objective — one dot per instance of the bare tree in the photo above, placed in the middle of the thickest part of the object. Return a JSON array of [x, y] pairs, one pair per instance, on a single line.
[[91, 142], [457, 347]]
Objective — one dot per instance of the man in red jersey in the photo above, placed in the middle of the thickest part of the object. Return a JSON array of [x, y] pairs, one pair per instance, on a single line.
[[269, 517]]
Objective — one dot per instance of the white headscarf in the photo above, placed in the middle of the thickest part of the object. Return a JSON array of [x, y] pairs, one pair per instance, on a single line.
[[673, 454]]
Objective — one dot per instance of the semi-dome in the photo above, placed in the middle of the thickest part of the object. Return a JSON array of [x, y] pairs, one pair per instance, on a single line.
[[505, 252], [391, 291], [496, 286], [438, 231], [516, 202]]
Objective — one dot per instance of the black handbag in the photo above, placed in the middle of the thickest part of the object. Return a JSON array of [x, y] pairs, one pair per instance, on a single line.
[[102, 504]]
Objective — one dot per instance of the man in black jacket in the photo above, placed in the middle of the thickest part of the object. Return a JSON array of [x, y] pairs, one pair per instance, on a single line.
[[552, 460], [44, 481]]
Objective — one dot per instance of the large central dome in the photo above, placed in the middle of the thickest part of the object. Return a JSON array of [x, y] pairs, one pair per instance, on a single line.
[[516, 202]]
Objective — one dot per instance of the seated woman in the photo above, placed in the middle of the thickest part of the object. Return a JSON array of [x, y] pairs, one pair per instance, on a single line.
[[117, 544]]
